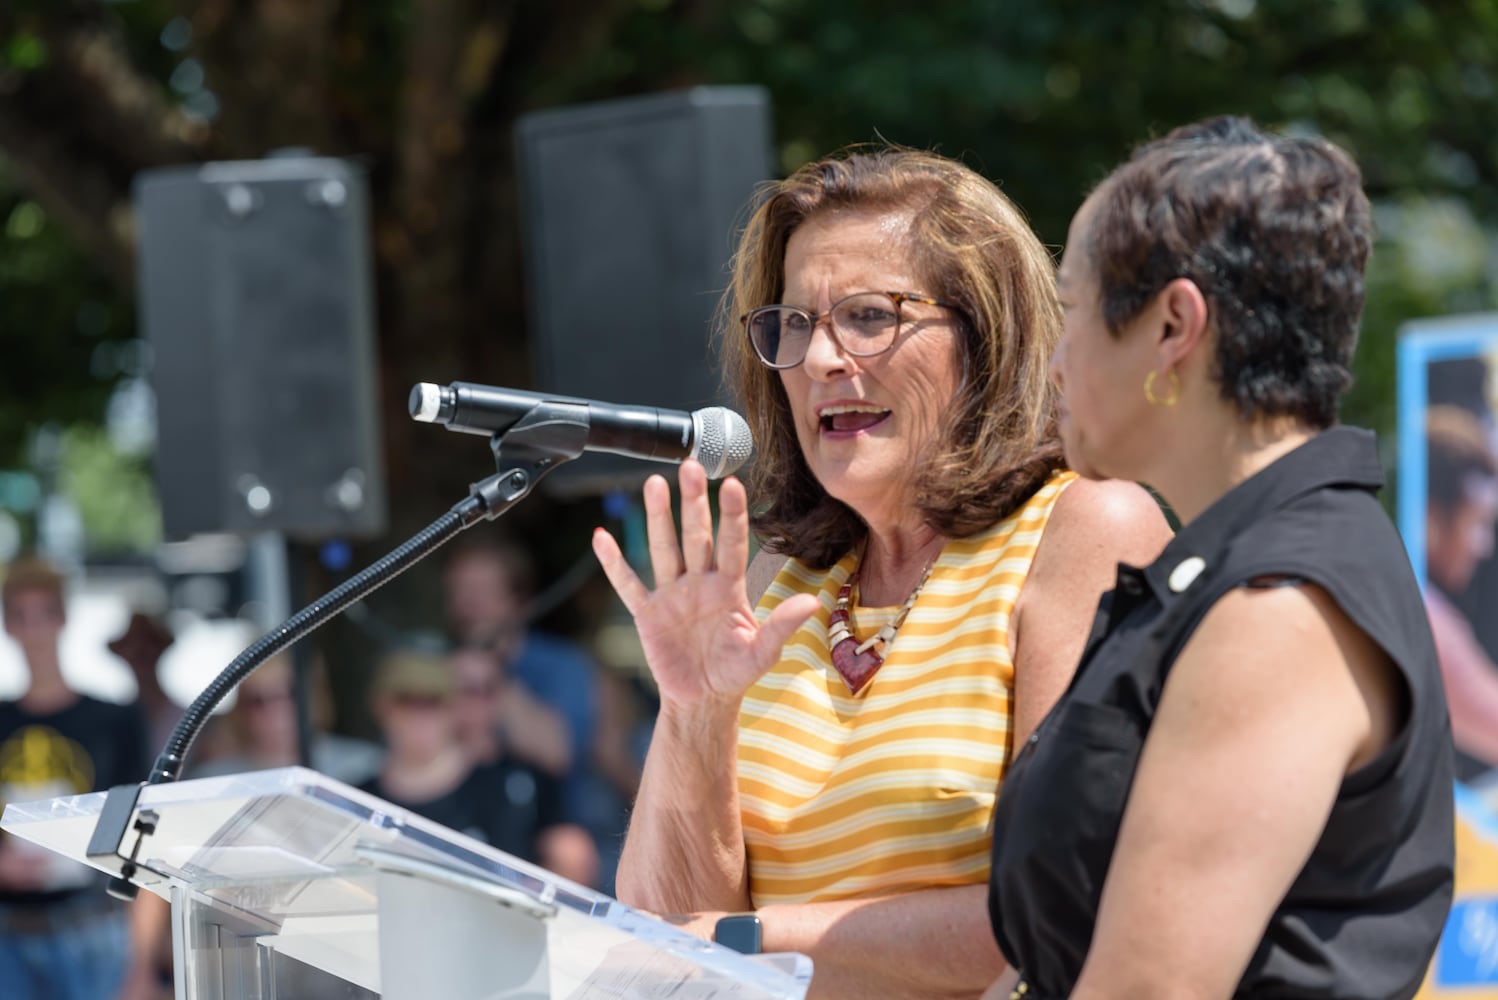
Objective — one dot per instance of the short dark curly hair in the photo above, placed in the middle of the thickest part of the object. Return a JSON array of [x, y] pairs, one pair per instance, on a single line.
[[1274, 229]]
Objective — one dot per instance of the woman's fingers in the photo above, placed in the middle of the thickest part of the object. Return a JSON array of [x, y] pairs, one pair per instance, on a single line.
[[777, 629], [696, 519], [626, 582], [733, 528], [660, 529], [695, 550]]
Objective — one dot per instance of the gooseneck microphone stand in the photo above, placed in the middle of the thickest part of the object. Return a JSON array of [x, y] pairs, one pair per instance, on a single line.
[[550, 434]]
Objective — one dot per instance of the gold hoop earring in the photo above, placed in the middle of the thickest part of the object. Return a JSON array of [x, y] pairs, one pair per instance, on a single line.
[[1175, 390]]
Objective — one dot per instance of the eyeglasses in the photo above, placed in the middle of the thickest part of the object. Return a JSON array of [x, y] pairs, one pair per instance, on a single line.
[[863, 324]]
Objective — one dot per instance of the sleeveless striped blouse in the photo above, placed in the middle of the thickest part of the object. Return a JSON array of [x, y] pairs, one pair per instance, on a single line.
[[889, 791]]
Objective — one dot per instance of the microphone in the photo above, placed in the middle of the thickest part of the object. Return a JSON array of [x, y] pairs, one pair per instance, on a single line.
[[717, 437]]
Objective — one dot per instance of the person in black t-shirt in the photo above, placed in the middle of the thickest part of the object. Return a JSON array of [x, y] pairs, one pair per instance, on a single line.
[[61, 937], [503, 802], [485, 714]]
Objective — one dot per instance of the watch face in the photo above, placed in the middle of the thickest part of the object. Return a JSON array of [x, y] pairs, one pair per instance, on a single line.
[[739, 931]]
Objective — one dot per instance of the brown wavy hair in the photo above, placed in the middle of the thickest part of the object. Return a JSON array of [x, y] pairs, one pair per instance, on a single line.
[[971, 246]]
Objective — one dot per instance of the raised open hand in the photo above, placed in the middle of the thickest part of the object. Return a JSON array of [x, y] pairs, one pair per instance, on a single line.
[[697, 627]]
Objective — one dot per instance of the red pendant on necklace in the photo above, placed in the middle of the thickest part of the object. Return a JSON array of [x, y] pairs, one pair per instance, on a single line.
[[858, 661], [856, 668]]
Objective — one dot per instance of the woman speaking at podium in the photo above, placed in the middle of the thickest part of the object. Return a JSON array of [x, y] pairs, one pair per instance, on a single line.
[[1247, 790], [829, 758]]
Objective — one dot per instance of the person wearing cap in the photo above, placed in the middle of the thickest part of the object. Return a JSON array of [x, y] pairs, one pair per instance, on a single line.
[[505, 803], [141, 645]]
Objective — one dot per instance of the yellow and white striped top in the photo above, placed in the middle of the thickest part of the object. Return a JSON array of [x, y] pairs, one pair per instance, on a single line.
[[891, 790]]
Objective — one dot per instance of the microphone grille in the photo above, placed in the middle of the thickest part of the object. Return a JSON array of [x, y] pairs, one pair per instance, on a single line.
[[721, 440]]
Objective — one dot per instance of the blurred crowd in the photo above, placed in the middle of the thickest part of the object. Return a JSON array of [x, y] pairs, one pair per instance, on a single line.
[[503, 732], [517, 737]]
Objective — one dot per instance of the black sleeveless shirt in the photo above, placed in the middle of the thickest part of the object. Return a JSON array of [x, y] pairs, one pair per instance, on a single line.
[[1362, 918]]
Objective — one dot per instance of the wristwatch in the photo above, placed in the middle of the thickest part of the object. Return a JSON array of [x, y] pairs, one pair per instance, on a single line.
[[739, 931]]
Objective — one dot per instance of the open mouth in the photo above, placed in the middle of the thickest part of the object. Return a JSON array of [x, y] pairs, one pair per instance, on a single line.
[[848, 418]]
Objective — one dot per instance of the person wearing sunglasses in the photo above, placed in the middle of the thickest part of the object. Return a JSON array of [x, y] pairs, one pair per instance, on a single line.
[[828, 759], [502, 801]]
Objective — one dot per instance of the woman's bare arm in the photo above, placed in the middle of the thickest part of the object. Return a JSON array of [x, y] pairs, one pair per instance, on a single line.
[[1256, 729], [685, 847], [1093, 527]]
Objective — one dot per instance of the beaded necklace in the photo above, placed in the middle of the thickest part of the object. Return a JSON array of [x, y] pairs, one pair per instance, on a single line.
[[857, 661]]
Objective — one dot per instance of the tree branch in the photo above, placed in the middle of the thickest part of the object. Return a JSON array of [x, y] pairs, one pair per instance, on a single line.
[[268, 63], [120, 109], [79, 127], [433, 129], [83, 196]]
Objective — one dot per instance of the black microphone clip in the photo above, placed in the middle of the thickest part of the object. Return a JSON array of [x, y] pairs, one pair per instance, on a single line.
[[715, 436]]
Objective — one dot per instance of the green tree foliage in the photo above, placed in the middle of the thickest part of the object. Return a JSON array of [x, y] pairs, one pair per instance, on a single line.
[[113, 491], [1043, 95], [59, 319]]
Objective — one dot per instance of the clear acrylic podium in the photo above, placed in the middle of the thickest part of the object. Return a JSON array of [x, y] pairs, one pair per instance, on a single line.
[[288, 885]]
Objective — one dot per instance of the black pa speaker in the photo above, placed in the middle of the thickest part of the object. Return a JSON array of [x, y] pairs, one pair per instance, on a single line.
[[631, 210], [255, 291]]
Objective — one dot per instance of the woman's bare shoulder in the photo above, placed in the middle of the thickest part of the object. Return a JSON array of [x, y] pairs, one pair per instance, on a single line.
[[1105, 518]]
